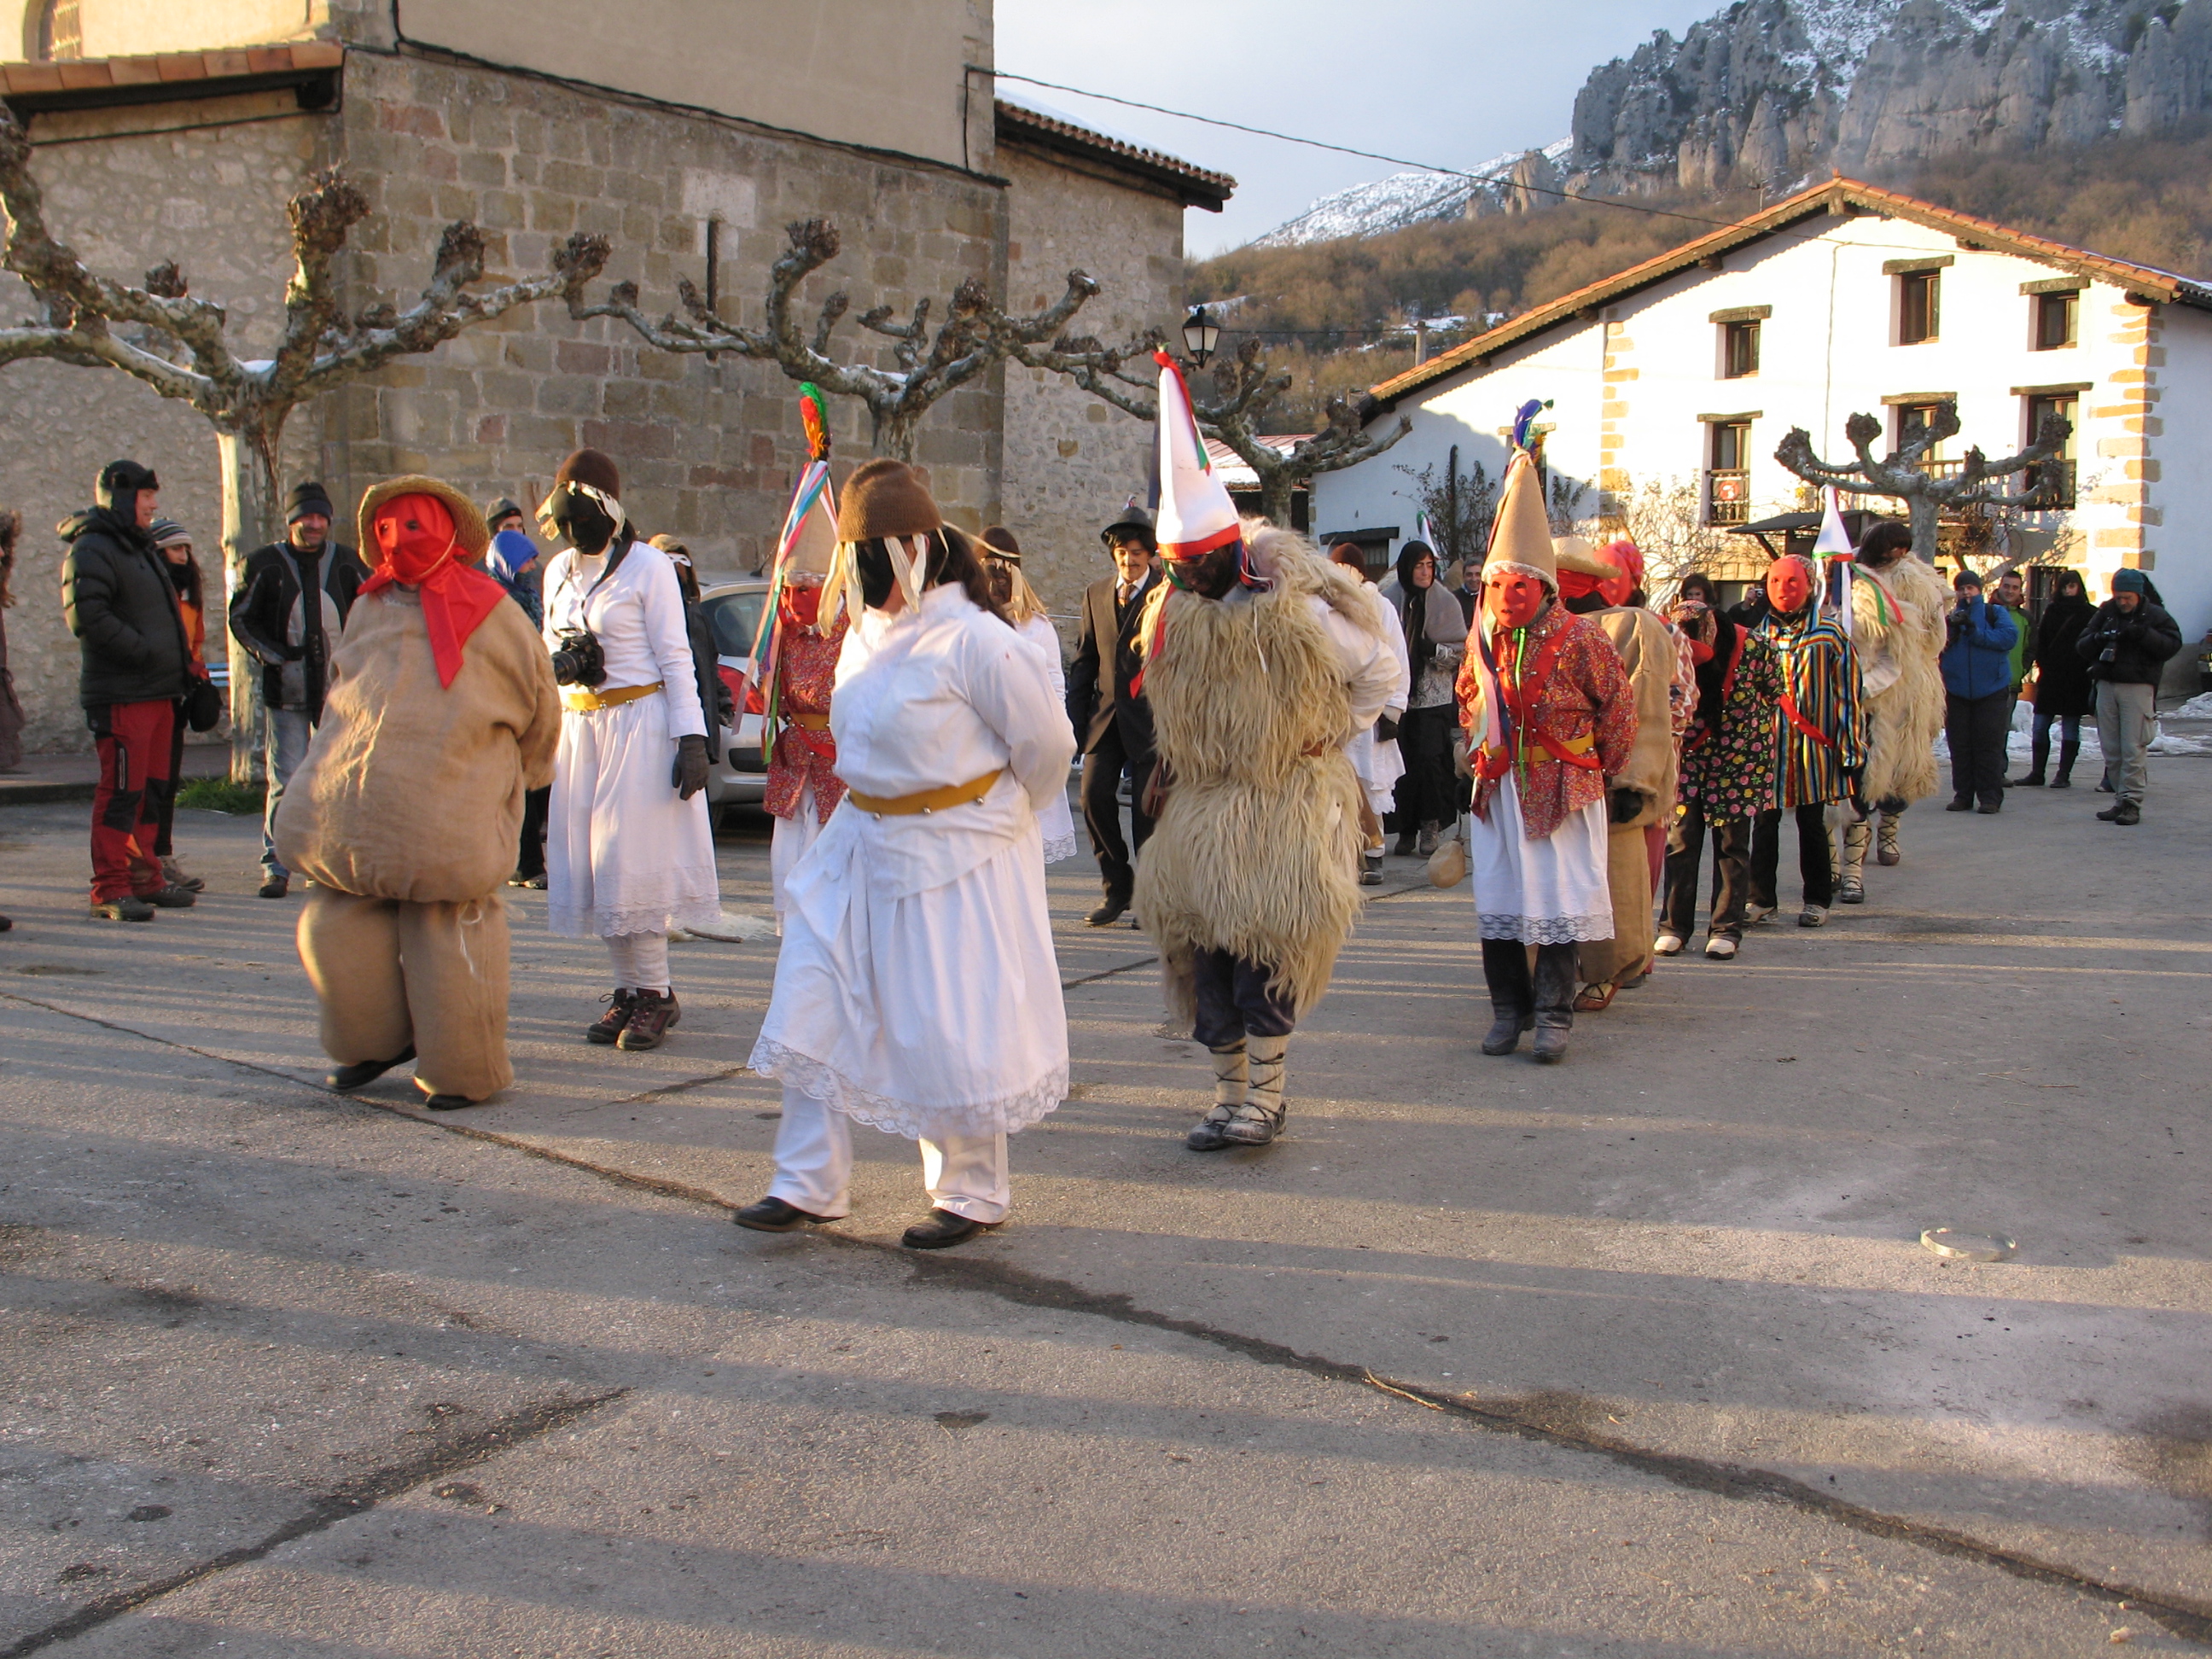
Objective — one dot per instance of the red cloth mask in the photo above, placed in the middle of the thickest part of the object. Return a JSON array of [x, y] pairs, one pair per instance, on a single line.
[[418, 544], [1627, 558], [1574, 584], [801, 606], [1787, 585], [1514, 599]]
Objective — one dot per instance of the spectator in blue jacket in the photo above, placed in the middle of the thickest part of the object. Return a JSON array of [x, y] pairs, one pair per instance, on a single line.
[[1977, 684]]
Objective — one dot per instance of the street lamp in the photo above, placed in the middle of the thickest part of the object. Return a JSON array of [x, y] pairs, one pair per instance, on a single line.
[[1200, 334]]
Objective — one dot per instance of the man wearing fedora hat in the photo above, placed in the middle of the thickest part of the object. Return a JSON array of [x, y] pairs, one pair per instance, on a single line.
[[1113, 724], [441, 712]]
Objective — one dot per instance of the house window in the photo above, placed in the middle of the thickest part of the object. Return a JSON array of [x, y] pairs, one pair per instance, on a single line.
[[1911, 419], [1728, 474], [1739, 351], [2054, 478], [2054, 321], [1919, 309]]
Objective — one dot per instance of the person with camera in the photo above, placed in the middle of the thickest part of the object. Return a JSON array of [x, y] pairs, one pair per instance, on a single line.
[[917, 989], [630, 851], [1977, 686], [441, 714], [291, 604], [2064, 692], [2127, 645]]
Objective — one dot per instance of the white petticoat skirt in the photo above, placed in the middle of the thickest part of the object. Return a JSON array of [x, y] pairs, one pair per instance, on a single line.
[[1058, 825], [789, 842], [624, 854], [932, 1015], [1550, 892]]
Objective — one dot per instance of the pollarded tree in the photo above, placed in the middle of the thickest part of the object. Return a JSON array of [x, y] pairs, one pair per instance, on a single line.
[[159, 334], [1245, 388], [1926, 495], [975, 335]]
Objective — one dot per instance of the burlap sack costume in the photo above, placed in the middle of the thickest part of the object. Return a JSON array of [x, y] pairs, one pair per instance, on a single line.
[[405, 815]]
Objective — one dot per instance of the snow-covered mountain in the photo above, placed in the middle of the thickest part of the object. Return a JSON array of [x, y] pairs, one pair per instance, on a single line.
[[1773, 93], [1500, 184]]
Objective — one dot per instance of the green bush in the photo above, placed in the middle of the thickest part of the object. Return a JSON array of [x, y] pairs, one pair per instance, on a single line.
[[221, 795]]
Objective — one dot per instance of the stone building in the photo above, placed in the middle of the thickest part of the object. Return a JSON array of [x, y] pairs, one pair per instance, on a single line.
[[1686, 372], [179, 130]]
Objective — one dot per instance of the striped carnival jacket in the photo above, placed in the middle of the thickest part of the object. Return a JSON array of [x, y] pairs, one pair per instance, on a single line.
[[1820, 724]]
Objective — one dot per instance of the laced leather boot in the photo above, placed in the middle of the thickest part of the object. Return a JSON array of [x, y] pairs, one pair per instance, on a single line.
[[1850, 882], [1231, 1078], [1886, 851], [1259, 1120]]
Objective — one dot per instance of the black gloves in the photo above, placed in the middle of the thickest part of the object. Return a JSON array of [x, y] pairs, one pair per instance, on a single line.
[[1624, 806], [689, 776]]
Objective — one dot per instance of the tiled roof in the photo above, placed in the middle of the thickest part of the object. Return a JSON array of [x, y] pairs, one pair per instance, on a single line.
[[87, 78], [1837, 196], [1197, 186]]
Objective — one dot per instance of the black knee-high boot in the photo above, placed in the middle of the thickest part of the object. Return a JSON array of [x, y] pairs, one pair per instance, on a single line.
[[1512, 996], [2067, 751], [2039, 758], [1555, 999]]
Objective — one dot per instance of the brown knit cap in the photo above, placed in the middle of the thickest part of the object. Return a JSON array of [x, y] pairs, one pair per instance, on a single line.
[[1000, 540], [886, 498], [593, 467]]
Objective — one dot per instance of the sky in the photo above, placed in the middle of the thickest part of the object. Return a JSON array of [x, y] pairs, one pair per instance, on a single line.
[[1448, 82]]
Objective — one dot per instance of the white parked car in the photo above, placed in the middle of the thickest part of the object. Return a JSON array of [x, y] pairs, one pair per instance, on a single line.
[[733, 612]]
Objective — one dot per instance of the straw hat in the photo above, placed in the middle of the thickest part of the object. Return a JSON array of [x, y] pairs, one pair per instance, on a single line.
[[469, 531]]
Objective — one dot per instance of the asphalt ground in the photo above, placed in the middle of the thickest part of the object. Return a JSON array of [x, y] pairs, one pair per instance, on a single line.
[[1639, 1355]]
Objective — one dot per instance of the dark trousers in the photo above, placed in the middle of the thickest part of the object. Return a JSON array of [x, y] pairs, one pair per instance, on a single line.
[[1101, 810], [1976, 728], [135, 741], [1427, 793], [1686, 859], [165, 807], [529, 854], [1233, 1001], [1816, 860]]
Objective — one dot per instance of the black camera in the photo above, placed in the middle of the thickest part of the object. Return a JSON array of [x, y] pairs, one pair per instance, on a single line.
[[577, 658]]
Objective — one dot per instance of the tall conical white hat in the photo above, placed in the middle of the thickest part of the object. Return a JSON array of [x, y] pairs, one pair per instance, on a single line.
[[1196, 515]]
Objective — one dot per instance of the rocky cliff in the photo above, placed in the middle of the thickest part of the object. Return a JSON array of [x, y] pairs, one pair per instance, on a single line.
[[1774, 91]]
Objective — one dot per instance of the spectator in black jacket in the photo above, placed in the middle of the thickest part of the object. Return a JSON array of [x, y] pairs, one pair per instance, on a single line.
[[291, 607], [1113, 725], [2064, 690], [2126, 644], [121, 604]]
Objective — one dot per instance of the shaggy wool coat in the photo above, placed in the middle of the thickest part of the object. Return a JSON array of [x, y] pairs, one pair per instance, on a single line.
[[1257, 851], [1897, 624]]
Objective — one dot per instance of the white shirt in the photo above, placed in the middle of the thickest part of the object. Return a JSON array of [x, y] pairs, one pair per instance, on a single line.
[[638, 614], [940, 695]]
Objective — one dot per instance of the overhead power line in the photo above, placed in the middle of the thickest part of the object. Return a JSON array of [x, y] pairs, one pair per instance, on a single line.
[[1346, 149]]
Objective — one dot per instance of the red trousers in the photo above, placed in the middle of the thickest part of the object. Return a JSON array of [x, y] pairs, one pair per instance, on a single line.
[[137, 774]]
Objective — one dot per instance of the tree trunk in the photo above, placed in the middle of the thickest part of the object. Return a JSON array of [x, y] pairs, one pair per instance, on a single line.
[[1278, 488], [892, 436], [249, 521], [1923, 515]]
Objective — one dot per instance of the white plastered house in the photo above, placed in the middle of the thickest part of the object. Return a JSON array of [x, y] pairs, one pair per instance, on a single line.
[[1693, 367]]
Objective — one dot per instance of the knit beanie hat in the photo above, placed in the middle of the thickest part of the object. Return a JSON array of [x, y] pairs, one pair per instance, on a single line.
[[309, 497], [168, 532], [886, 498], [2130, 581]]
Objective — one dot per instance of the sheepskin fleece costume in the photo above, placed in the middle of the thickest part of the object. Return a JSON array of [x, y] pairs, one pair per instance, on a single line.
[[1257, 850], [1904, 716]]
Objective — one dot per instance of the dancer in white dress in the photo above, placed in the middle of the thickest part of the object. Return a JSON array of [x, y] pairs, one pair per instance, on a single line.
[[1002, 563], [1373, 755], [630, 851], [917, 989]]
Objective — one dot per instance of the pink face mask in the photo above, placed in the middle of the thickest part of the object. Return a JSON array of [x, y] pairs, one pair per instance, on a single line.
[[1514, 599], [1788, 586]]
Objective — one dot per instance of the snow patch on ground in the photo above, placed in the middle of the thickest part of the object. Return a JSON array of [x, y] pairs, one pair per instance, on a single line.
[[2198, 707]]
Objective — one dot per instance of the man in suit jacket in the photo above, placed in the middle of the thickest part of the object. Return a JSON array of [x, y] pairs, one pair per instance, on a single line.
[[1113, 727]]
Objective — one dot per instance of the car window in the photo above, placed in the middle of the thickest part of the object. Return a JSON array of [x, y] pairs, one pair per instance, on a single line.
[[736, 620]]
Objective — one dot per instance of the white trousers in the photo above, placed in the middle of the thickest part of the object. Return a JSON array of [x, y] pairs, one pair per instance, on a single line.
[[964, 1174], [641, 960]]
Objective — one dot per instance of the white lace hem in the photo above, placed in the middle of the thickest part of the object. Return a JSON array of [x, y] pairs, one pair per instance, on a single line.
[[666, 917], [1544, 930], [1062, 847], [1009, 1114]]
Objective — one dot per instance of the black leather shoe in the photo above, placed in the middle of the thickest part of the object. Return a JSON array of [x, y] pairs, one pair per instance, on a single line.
[[275, 887], [773, 1215], [1109, 912], [608, 1027], [2128, 813], [172, 897], [1990, 806], [942, 1230], [448, 1102], [1959, 803], [2111, 813], [1551, 1045], [346, 1077]]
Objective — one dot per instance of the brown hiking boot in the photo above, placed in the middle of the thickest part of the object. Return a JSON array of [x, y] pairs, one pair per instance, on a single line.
[[650, 1018], [609, 1026]]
